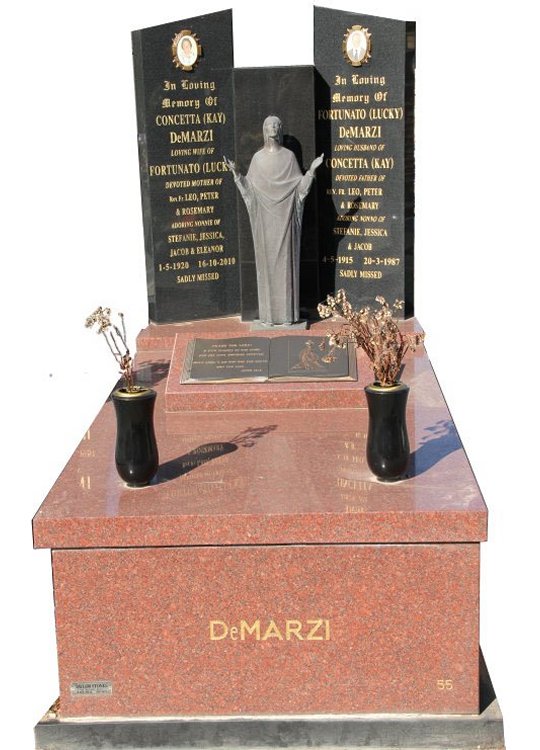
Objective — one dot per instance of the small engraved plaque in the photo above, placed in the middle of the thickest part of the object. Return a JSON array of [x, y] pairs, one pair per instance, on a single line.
[[257, 359], [98, 687]]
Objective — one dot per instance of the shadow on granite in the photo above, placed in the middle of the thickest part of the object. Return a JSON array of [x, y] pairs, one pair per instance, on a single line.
[[201, 455], [442, 440], [248, 437]]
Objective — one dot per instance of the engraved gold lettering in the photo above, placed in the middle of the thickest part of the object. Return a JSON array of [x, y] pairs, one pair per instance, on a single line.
[[359, 80], [218, 636], [386, 113], [246, 629], [354, 162], [215, 118], [288, 630], [360, 131], [272, 631], [445, 684], [165, 170], [188, 85], [188, 118], [342, 114], [192, 136], [375, 232], [176, 184], [293, 627], [215, 166], [315, 629]]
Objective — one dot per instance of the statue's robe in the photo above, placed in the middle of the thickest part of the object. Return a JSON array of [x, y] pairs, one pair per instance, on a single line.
[[274, 191]]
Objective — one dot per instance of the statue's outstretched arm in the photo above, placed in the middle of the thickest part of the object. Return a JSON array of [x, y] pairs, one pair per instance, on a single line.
[[307, 179], [232, 166], [315, 163], [239, 179]]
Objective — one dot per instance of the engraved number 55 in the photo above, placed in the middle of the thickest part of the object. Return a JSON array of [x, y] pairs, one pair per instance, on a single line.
[[445, 684]]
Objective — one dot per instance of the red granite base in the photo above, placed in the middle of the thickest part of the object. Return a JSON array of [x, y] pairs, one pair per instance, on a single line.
[[286, 629], [265, 571]]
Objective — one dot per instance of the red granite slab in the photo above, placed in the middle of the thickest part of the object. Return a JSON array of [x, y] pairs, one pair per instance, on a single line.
[[268, 630], [271, 477], [162, 336]]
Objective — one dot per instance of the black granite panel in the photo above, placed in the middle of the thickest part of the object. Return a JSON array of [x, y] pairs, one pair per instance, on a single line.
[[287, 92], [185, 123], [365, 126]]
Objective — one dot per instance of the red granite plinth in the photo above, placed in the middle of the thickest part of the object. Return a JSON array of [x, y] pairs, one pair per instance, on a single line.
[[268, 524], [266, 630]]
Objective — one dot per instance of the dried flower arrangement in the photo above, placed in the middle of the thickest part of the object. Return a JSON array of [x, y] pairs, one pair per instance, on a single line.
[[116, 341], [374, 331]]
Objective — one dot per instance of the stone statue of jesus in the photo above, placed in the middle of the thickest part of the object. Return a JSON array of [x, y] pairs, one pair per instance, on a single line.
[[274, 191]]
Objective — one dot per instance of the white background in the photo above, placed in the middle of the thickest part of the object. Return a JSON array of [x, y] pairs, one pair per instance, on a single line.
[[72, 239]]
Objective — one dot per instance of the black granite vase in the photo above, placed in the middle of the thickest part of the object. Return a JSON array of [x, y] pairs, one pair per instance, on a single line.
[[387, 442], [136, 450]]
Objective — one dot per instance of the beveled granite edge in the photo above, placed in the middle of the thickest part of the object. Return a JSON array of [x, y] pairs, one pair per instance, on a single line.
[[238, 530]]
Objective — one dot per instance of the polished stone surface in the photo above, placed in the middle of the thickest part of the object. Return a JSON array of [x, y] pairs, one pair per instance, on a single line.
[[199, 594], [185, 123], [315, 629], [366, 193], [266, 477]]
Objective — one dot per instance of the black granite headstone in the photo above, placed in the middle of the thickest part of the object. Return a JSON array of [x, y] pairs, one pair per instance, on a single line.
[[356, 106], [289, 94], [364, 117], [185, 117]]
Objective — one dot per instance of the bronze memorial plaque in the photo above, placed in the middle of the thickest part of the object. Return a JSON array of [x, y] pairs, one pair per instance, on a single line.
[[258, 359]]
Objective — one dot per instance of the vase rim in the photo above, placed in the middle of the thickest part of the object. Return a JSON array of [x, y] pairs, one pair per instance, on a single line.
[[378, 388], [140, 392]]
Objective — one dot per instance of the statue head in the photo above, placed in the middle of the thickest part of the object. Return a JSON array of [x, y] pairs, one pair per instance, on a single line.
[[272, 129]]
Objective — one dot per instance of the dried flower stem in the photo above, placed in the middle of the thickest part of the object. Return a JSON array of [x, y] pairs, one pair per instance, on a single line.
[[374, 331], [116, 343]]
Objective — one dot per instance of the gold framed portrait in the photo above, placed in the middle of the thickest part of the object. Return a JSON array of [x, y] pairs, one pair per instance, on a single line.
[[357, 45], [186, 49]]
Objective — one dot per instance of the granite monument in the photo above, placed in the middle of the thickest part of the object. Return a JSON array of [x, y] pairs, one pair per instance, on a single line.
[[265, 590]]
